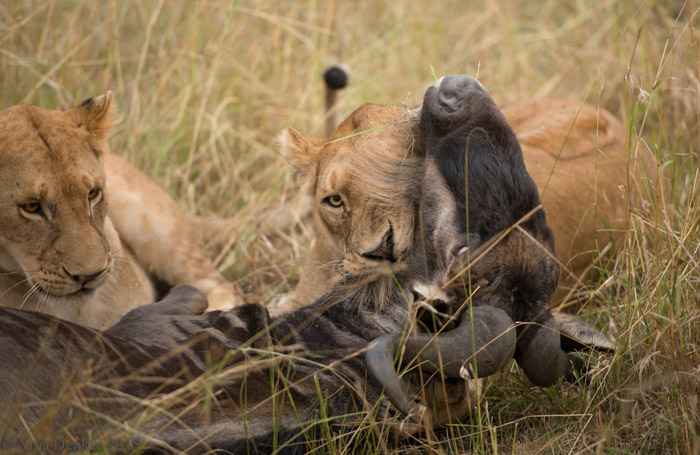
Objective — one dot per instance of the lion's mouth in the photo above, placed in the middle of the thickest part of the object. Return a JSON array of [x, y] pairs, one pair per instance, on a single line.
[[72, 290]]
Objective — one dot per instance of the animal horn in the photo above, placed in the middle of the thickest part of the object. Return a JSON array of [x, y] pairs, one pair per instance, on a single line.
[[486, 342]]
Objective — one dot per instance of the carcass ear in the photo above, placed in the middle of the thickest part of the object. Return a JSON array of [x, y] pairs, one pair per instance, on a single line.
[[577, 334], [302, 153], [97, 115]]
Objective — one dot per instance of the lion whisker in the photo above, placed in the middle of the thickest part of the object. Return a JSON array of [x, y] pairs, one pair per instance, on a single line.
[[335, 264], [112, 278], [13, 273], [14, 286], [43, 298], [27, 295]]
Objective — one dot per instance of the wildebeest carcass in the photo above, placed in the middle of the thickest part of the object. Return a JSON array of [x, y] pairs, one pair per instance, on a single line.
[[174, 379], [505, 260]]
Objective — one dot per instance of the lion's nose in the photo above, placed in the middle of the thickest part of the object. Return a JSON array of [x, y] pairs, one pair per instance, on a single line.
[[84, 278], [385, 251]]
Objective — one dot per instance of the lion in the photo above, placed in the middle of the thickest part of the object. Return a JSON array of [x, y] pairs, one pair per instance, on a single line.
[[82, 230], [359, 178]]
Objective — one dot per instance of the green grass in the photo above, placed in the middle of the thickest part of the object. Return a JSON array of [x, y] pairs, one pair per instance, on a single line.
[[205, 86]]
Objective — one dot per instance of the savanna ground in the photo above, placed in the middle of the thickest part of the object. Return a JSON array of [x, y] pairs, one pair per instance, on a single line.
[[205, 86]]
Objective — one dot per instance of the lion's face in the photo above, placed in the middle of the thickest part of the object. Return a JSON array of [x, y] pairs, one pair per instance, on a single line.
[[53, 201], [364, 182]]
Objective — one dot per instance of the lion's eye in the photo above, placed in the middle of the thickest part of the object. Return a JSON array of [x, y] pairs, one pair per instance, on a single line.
[[94, 194], [32, 208], [335, 200]]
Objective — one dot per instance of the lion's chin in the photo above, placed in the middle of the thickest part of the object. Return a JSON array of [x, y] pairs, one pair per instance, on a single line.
[[73, 297], [373, 269]]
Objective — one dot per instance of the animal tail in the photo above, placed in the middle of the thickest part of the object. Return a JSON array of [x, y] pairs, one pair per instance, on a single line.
[[336, 78]]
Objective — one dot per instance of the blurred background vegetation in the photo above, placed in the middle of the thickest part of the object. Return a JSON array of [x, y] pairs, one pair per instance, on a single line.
[[204, 87]]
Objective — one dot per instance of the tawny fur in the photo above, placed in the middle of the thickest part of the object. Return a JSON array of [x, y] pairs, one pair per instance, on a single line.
[[71, 214]]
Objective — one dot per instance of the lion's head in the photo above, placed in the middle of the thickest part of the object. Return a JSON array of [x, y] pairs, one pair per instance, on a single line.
[[53, 203], [363, 183]]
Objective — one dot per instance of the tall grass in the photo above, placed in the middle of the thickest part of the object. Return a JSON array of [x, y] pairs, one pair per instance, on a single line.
[[204, 87]]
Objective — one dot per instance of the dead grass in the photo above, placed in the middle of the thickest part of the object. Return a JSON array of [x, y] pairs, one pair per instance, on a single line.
[[204, 86]]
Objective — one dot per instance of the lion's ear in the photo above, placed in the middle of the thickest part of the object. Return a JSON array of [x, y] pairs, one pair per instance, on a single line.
[[97, 115], [302, 153]]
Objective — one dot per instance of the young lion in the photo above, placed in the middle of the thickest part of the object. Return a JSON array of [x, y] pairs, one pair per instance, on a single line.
[[79, 227]]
